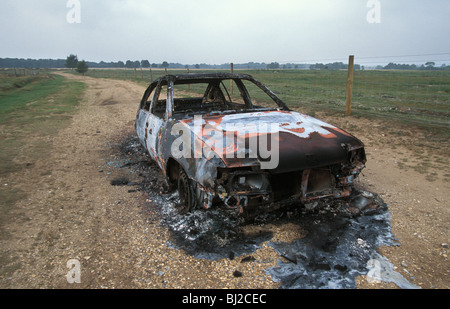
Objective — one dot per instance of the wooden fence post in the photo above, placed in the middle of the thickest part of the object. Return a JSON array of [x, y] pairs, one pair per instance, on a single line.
[[231, 82], [189, 85], [151, 75], [348, 105]]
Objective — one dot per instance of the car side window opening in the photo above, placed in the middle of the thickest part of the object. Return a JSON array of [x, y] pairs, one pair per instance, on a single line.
[[148, 100], [159, 101]]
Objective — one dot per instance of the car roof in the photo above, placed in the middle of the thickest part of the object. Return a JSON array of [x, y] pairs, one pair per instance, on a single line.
[[199, 77]]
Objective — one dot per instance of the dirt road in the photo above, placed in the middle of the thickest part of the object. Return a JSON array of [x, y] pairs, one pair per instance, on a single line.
[[73, 212]]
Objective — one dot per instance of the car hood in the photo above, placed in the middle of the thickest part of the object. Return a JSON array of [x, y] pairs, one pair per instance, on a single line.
[[294, 141]]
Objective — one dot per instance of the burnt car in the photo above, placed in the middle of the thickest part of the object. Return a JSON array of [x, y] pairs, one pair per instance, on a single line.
[[226, 139]]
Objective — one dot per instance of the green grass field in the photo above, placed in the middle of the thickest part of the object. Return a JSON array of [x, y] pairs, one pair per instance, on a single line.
[[33, 106], [417, 97]]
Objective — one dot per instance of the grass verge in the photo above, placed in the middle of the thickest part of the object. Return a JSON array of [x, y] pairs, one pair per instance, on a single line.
[[32, 109]]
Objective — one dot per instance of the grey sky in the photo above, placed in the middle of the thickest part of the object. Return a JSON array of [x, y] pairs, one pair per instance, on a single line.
[[221, 31]]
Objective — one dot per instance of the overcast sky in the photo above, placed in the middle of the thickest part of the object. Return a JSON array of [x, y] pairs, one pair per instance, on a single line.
[[222, 31]]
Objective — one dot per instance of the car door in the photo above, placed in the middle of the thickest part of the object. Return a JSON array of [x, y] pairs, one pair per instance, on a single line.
[[142, 117]]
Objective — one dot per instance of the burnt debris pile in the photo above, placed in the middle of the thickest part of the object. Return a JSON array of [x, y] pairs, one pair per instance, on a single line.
[[334, 252]]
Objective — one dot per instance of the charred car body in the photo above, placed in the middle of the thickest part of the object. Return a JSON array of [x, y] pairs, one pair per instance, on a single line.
[[222, 147]]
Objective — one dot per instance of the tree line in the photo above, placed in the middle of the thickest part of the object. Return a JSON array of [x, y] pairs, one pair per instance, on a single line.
[[131, 64], [332, 66], [430, 65]]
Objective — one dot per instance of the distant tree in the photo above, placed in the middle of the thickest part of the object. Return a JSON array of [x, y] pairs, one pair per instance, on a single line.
[[430, 65], [396, 66], [82, 67], [71, 62], [145, 63], [165, 64], [197, 66], [273, 65], [317, 66], [129, 64]]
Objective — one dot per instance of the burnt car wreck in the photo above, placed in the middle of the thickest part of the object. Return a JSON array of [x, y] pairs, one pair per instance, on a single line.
[[217, 146]]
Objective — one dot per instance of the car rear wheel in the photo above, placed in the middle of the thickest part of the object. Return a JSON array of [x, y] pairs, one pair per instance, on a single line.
[[185, 192]]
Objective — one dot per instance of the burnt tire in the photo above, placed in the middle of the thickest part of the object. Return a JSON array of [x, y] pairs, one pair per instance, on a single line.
[[185, 192]]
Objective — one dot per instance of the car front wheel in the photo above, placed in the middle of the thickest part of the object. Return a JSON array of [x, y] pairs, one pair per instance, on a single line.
[[185, 192]]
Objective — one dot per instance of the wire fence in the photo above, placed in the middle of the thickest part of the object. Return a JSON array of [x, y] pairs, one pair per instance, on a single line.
[[417, 96], [421, 97]]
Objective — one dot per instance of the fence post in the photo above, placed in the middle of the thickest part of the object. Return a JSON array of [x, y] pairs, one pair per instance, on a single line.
[[231, 82], [348, 105], [151, 75], [189, 85]]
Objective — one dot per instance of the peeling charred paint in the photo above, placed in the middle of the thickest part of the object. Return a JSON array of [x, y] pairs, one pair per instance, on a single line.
[[241, 155]]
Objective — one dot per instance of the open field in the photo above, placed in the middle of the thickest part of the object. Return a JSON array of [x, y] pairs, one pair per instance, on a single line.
[[418, 97], [60, 140], [33, 107]]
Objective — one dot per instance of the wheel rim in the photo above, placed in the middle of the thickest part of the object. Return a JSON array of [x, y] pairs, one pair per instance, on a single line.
[[184, 192]]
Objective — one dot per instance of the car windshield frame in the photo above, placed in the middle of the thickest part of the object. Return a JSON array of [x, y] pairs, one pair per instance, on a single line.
[[219, 80]]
